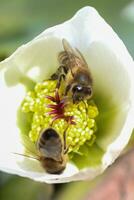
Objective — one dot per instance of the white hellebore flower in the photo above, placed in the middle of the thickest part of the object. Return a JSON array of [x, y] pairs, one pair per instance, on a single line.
[[112, 69]]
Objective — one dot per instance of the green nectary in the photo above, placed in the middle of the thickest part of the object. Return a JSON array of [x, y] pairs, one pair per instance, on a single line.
[[78, 134]]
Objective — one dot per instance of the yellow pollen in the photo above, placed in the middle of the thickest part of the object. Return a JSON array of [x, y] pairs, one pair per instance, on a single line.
[[77, 134]]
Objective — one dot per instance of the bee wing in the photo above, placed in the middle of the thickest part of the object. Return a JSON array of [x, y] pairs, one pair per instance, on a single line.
[[50, 144], [67, 47], [74, 55], [29, 146], [81, 57]]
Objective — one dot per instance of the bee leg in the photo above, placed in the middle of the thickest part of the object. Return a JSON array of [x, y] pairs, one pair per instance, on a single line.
[[86, 108], [67, 89], [58, 72], [54, 76], [66, 150], [64, 140], [62, 76]]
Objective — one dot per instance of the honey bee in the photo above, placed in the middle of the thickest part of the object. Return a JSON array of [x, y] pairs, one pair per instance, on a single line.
[[53, 151], [50, 150], [74, 71]]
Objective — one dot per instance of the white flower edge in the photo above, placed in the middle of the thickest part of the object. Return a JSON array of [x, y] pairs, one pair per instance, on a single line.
[[101, 48]]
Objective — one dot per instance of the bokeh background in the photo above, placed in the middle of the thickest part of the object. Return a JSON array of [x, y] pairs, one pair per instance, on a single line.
[[22, 20]]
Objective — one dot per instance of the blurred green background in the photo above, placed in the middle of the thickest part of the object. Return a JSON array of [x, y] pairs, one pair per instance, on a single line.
[[20, 21]]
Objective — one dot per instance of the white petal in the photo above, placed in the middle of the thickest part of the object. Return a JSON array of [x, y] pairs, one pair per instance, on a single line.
[[112, 68]]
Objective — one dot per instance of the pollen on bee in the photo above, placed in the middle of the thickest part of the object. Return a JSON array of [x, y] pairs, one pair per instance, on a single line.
[[49, 108]]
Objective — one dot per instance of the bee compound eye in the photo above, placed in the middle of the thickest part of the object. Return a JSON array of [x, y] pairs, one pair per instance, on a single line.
[[77, 88]]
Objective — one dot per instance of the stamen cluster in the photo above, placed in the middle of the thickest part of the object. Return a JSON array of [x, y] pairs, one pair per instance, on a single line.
[[58, 110]]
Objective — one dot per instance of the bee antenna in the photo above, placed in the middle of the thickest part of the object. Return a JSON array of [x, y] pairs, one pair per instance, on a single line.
[[66, 150], [25, 156], [85, 107]]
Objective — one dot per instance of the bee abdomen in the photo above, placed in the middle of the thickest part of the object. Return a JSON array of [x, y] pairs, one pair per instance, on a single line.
[[52, 166], [49, 144]]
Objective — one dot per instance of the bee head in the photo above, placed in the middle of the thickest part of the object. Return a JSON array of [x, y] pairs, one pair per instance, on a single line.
[[81, 92]]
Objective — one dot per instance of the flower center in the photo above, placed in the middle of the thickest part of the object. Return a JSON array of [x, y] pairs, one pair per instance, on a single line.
[[50, 108]]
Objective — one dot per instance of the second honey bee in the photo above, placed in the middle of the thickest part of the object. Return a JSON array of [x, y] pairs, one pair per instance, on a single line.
[[53, 151], [50, 150], [75, 73]]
